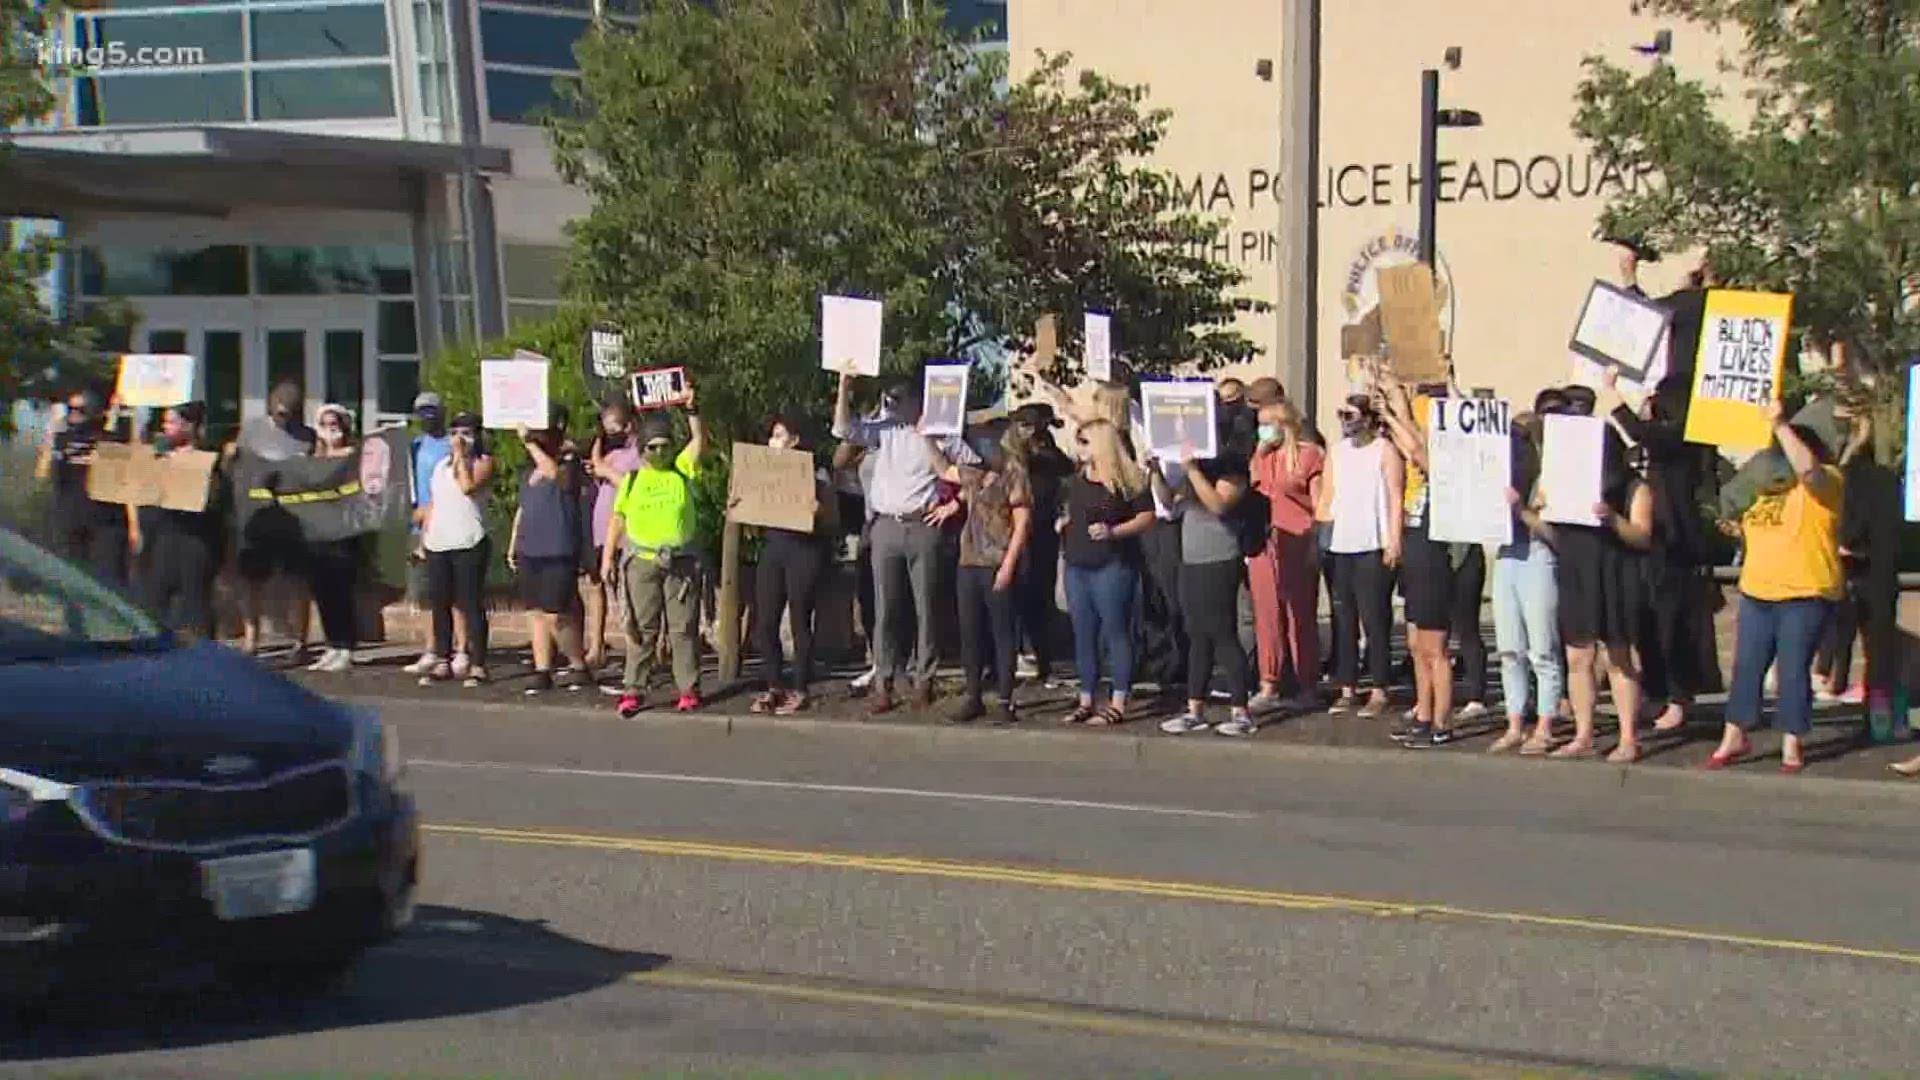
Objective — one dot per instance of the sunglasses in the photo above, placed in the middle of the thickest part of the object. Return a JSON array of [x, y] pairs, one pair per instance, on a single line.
[[657, 446]]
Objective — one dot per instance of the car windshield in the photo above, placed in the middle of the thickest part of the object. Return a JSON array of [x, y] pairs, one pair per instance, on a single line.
[[50, 609]]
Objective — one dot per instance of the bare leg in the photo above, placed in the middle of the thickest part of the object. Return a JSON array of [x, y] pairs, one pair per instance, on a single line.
[[594, 596], [543, 635], [1585, 694], [1623, 674]]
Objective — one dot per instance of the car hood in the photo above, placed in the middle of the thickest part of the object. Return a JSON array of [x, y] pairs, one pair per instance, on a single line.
[[163, 715]]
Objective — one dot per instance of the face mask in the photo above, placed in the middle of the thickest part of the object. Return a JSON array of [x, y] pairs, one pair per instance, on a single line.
[[660, 456], [1269, 433], [890, 407]]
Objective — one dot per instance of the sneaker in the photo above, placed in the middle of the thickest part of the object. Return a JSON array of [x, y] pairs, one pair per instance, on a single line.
[[541, 682], [440, 672], [1343, 704], [1373, 709], [1472, 710], [461, 665], [966, 712], [572, 679], [689, 701], [1265, 702], [1026, 669], [332, 661], [1432, 739], [1416, 730], [476, 678], [1184, 724], [1002, 714], [864, 680], [422, 666], [629, 706], [1241, 726], [880, 702], [1855, 695]]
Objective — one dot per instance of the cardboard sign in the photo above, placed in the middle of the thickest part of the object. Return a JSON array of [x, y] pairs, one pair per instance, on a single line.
[[944, 398], [1410, 322], [513, 394], [1620, 329], [1572, 454], [661, 388], [1470, 454], [1364, 338], [1100, 347], [772, 488], [129, 475], [1046, 342], [1913, 440], [1179, 417], [155, 380], [850, 329], [1736, 377]]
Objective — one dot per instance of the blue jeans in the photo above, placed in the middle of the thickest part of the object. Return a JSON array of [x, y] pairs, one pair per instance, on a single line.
[[1100, 603], [1526, 625], [1783, 635]]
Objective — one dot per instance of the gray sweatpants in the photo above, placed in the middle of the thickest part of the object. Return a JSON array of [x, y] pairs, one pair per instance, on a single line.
[[906, 554]]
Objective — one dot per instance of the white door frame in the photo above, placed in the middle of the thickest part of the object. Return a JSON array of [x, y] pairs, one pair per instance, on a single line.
[[253, 318]]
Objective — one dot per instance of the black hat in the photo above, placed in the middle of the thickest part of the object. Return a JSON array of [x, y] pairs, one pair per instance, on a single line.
[[1633, 242], [1038, 414], [465, 420]]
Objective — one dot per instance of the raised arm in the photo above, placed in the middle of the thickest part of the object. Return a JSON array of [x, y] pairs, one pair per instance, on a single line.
[[544, 463], [843, 408], [1216, 496], [696, 427], [1396, 469], [1805, 465]]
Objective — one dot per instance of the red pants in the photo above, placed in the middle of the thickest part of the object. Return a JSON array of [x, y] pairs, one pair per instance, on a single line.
[[1285, 582]]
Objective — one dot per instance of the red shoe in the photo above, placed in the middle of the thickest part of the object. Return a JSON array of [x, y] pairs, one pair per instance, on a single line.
[[1792, 768], [689, 701], [629, 706], [1721, 761], [1855, 695]]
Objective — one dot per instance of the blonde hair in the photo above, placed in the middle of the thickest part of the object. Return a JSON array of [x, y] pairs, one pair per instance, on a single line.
[[1110, 403], [1286, 416], [1111, 465]]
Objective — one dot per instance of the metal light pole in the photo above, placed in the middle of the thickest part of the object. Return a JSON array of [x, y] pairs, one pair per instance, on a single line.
[[1432, 119]]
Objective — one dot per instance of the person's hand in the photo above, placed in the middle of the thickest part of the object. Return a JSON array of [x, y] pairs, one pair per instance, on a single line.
[[1610, 380], [1603, 512], [135, 542], [688, 403], [942, 514], [733, 503], [1513, 498], [1100, 531], [1391, 556], [1189, 456], [523, 433], [1060, 526], [1003, 580], [1776, 413], [513, 561], [1729, 528]]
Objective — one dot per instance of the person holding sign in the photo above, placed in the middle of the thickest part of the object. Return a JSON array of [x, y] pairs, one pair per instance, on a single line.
[[92, 534], [1285, 576], [788, 578], [1526, 600], [611, 457], [993, 543], [653, 520], [1789, 581], [180, 550], [333, 567], [454, 534], [545, 550], [272, 547]]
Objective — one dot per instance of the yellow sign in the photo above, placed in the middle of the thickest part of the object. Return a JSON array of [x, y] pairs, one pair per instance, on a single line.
[[1736, 375]]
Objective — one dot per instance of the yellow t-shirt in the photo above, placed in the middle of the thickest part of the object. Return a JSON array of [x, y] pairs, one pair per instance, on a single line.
[[657, 504], [1415, 503], [1793, 543]]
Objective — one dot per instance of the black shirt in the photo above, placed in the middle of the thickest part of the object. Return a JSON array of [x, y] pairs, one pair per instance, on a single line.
[[72, 453], [1088, 504], [1675, 469], [1048, 471]]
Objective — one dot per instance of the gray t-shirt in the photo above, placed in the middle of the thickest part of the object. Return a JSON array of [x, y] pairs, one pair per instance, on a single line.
[[267, 441], [1205, 538]]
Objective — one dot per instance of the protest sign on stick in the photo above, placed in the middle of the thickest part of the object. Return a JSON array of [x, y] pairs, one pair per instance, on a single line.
[[606, 357], [1179, 419], [155, 380], [513, 394], [850, 334], [662, 388], [1100, 347], [1621, 330], [1470, 454], [1736, 377], [772, 488], [944, 399], [1572, 453], [1046, 342], [1410, 321]]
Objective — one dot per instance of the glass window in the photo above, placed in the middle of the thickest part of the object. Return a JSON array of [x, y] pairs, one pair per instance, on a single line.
[[515, 97], [206, 37], [325, 93], [519, 312], [286, 359], [134, 271], [456, 321], [304, 33], [222, 365], [344, 352], [166, 341], [399, 385], [198, 98], [398, 334], [451, 260], [988, 17], [533, 40], [392, 268], [113, 338], [287, 271], [533, 272], [347, 269]]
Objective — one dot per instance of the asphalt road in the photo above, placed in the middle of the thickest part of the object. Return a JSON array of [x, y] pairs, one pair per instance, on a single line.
[[609, 898]]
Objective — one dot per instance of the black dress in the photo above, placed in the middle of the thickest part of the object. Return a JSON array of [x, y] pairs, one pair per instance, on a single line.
[[1602, 581]]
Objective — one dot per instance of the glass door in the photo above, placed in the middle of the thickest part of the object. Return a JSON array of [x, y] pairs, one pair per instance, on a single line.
[[214, 333], [322, 346]]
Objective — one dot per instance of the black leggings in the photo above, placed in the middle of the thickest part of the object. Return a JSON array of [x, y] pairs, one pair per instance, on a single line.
[[1870, 607], [984, 611], [1362, 596], [1210, 610], [788, 577], [1033, 599], [1469, 585], [333, 571], [177, 580], [459, 578]]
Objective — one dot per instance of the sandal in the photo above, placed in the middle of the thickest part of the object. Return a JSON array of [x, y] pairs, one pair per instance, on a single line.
[[1573, 752], [764, 703], [1081, 714], [1106, 716], [792, 703], [1720, 760]]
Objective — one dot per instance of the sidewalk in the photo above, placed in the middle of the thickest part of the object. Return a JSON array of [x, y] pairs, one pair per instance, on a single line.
[[1836, 750]]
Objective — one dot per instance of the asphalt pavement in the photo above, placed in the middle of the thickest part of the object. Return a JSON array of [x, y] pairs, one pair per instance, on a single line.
[[675, 895]]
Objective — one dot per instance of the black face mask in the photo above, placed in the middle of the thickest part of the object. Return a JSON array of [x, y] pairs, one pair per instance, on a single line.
[[614, 442]]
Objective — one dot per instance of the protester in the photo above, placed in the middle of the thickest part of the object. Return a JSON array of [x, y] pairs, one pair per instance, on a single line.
[[1212, 571], [653, 519], [454, 534], [906, 527], [91, 533], [1790, 579], [547, 549], [180, 550], [1427, 577], [273, 549], [1285, 576], [1869, 552], [993, 542], [611, 457], [1526, 601], [1049, 469], [333, 567], [1362, 499], [788, 578], [427, 450], [1108, 508]]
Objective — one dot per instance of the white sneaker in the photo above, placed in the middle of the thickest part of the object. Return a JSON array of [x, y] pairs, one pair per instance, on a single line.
[[1026, 668], [422, 666], [461, 665], [1472, 710], [326, 658], [864, 680], [336, 661], [1184, 724], [1240, 727]]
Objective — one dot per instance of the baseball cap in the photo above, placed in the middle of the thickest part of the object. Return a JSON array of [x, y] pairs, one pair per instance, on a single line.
[[1037, 414], [428, 400]]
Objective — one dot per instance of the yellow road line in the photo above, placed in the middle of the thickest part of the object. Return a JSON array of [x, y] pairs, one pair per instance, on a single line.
[[1167, 890]]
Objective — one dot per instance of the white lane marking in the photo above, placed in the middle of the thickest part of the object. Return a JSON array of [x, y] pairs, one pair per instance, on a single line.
[[832, 789]]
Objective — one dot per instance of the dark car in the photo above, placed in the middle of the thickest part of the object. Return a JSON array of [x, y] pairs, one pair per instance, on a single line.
[[179, 803]]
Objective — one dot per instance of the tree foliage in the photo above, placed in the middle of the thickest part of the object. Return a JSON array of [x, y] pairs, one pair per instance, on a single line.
[[745, 156]]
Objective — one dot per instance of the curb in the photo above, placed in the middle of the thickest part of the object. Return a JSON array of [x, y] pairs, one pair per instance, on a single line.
[[1144, 751]]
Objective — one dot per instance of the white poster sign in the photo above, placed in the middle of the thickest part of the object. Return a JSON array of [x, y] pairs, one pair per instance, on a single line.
[[1470, 453], [1620, 329], [944, 398], [1179, 419], [513, 394], [1571, 457], [1100, 347], [155, 380], [850, 334]]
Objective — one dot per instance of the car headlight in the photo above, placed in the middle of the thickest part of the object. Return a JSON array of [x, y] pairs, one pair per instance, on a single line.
[[23, 793], [376, 748]]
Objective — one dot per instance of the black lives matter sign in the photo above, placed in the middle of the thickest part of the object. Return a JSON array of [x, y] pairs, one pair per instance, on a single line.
[[1739, 361], [661, 388], [1736, 377]]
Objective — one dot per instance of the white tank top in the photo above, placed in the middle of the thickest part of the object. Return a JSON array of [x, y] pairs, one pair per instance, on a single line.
[[1359, 498], [454, 518]]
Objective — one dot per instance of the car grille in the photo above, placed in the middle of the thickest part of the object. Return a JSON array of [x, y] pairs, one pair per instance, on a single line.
[[184, 816]]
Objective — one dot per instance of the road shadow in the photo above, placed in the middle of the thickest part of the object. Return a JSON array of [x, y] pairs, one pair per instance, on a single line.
[[449, 964]]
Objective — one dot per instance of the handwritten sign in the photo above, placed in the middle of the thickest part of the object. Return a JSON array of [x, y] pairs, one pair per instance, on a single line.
[[1572, 453], [1736, 378], [945, 399], [1410, 322], [129, 475], [661, 388], [850, 334], [1179, 416], [1913, 440], [772, 488], [1470, 451], [1046, 342], [513, 394], [1100, 347], [1620, 329], [606, 353], [155, 380]]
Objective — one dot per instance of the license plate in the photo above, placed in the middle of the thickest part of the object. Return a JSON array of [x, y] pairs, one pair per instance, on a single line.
[[257, 886]]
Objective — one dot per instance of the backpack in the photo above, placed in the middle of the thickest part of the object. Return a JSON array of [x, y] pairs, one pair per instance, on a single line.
[[1252, 521]]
